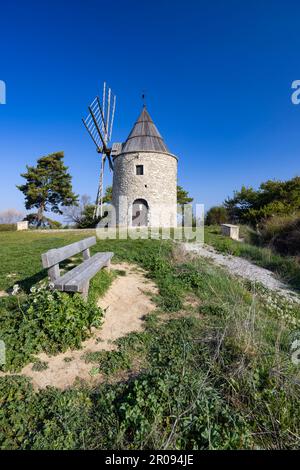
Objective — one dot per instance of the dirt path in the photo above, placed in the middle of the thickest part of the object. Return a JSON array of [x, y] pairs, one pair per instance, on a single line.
[[244, 268], [125, 304]]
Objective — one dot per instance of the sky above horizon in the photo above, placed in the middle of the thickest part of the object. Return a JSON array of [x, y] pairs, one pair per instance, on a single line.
[[217, 77]]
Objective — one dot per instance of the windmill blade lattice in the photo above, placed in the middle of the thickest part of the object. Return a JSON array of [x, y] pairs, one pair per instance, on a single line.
[[99, 124]]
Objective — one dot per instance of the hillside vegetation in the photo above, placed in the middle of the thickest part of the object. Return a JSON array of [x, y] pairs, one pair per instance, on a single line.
[[272, 198], [269, 218], [211, 370]]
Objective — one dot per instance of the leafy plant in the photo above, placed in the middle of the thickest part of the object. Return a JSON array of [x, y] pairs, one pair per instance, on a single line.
[[215, 375], [40, 366], [46, 320]]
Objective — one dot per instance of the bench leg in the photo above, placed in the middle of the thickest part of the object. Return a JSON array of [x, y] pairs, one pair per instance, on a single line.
[[54, 272], [107, 266], [85, 291], [86, 254]]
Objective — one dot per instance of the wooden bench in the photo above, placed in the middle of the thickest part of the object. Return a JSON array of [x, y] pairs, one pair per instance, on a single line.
[[78, 278]]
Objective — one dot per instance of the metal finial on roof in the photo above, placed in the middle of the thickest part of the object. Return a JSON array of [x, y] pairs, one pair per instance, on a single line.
[[144, 99], [144, 136]]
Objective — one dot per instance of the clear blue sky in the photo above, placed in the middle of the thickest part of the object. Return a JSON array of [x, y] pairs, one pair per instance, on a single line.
[[217, 75]]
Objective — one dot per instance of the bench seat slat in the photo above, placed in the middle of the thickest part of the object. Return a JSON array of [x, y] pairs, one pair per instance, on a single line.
[[57, 255], [76, 279], [62, 280]]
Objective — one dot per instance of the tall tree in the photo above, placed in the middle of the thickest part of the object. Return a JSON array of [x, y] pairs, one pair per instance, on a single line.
[[182, 199], [183, 196], [48, 186]]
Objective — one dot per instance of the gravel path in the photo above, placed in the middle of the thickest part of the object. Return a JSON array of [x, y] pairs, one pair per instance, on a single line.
[[244, 268]]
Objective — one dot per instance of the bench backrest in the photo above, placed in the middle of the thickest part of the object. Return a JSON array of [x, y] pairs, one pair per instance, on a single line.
[[55, 256]]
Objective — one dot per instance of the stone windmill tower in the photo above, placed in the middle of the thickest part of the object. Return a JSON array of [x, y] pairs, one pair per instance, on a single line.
[[144, 178]]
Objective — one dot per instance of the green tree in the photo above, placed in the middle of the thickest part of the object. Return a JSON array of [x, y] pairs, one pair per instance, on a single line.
[[108, 195], [240, 204], [82, 215], [216, 215], [33, 221], [272, 198], [183, 196], [87, 219], [182, 199], [48, 186]]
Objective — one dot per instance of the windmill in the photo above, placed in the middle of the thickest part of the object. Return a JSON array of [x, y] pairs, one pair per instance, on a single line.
[[99, 124]]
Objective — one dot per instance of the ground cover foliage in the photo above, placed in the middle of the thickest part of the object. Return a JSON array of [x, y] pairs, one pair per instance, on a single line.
[[211, 370]]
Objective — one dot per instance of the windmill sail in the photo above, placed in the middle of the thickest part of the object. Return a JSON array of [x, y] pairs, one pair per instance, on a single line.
[[99, 124]]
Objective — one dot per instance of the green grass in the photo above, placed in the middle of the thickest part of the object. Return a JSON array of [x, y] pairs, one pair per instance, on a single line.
[[211, 370], [20, 255], [22, 259], [286, 268], [46, 321]]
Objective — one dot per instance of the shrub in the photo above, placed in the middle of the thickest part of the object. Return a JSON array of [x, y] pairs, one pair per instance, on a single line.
[[46, 320], [54, 224], [45, 222], [282, 233], [39, 366], [216, 215]]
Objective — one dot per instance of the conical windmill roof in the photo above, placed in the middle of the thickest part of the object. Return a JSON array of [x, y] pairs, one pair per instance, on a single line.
[[144, 136]]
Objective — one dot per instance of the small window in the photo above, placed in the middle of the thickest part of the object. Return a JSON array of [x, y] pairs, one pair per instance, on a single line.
[[139, 169]]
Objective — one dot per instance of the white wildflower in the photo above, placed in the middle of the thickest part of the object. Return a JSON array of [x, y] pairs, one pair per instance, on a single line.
[[15, 289]]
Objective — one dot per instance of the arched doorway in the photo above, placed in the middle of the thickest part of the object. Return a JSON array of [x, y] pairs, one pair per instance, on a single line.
[[140, 210]]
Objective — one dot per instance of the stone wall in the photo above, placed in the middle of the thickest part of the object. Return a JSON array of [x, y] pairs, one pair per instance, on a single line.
[[157, 186]]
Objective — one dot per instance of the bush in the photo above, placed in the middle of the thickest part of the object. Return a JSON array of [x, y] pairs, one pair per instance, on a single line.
[[49, 321], [87, 218], [282, 233], [46, 222], [216, 215]]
